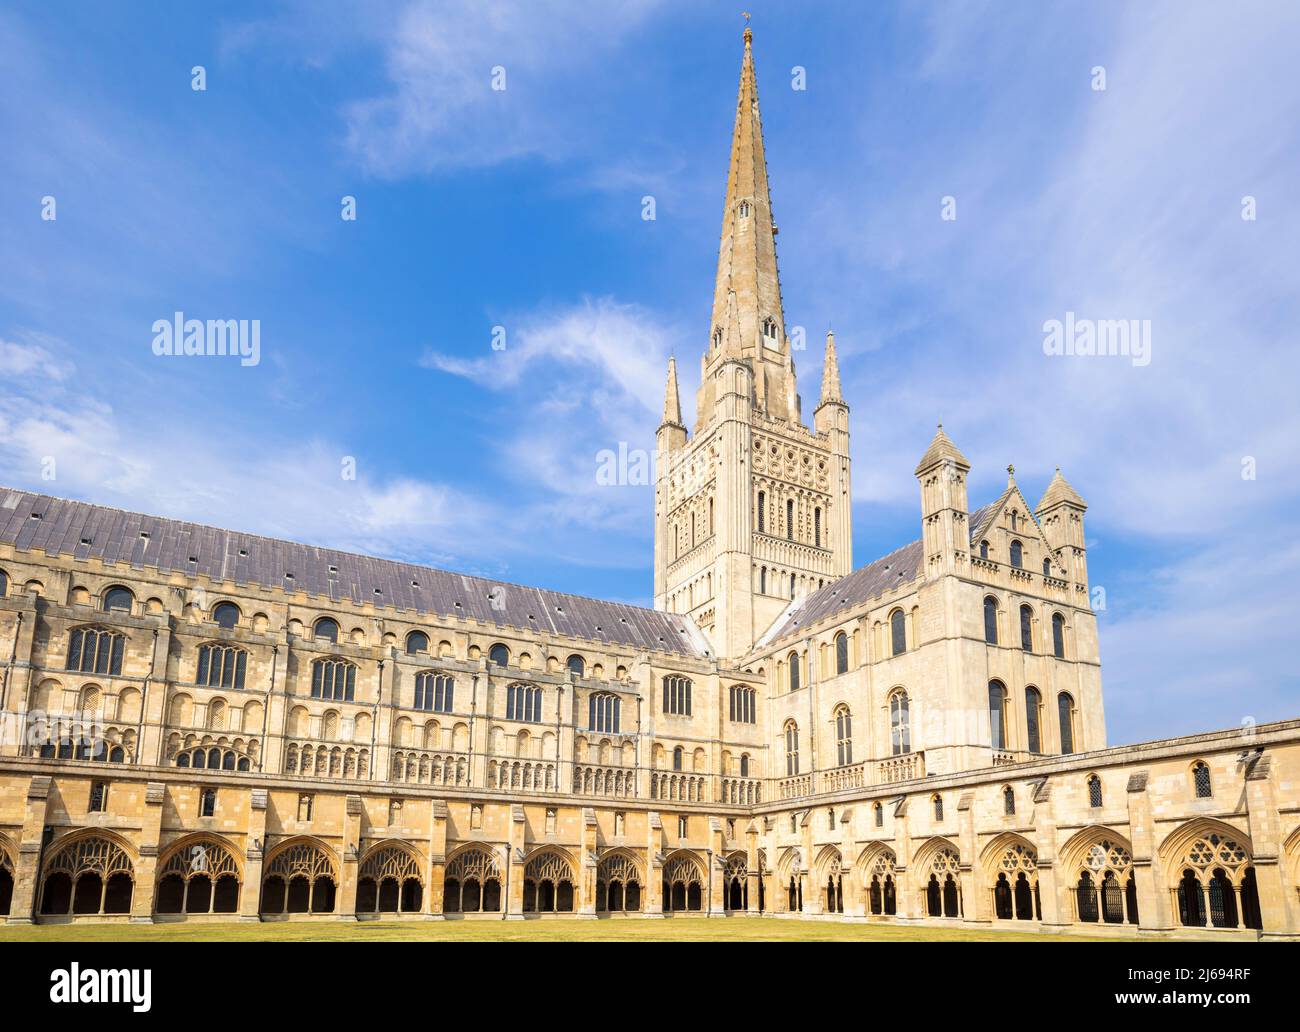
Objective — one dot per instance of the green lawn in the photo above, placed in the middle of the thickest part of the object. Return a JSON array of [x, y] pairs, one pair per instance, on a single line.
[[678, 929]]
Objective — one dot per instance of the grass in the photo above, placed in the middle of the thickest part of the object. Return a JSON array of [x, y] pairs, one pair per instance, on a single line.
[[678, 929]]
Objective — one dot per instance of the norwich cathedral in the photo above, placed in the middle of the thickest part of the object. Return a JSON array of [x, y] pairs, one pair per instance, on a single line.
[[205, 725]]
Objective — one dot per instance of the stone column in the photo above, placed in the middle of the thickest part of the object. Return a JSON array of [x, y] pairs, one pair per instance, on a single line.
[[514, 857], [346, 904], [437, 869], [654, 868], [1156, 908], [142, 895], [250, 892], [584, 892], [26, 894], [752, 873], [716, 858], [1262, 810]]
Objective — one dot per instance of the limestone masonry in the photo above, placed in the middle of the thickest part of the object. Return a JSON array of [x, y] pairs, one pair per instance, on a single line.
[[205, 725]]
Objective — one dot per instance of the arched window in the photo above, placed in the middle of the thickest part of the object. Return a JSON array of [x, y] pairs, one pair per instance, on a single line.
[[434, 693], [769, 324], [1047, 567], [226, 614], [326, 630], [1065, 713], [92, 650], [1201, 779], [334, 679], [841, 653], [898, 632], [844, 736], [1058, 635], [4, 584], [87, 876], [417, 644], [1033, 719], [1017, 555], [201, 878], [792, 661], [524, 702], [679, 757], [499, 655], [762, 581], [677, 695], [938, 808], [817, 527], [1094, 791], [743, 710], [744, 765], [577, 666], [472, 882], [991, 620], [792, 585], [208, 802], [791, 748], [222, 666], [1009, 801], [118, 599], [879, 812], [604, 712], [1027, 628], [762, 512], [389, 882], [984, 549], [900, 724], [789, 519], [998, 715]]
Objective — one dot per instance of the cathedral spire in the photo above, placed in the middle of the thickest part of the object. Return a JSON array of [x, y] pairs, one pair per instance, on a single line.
[[747, 322], [831, 373], [672, 403], [747, 251]]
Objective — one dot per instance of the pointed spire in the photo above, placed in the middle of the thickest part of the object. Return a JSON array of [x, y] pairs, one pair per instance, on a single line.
[[747, 251], [1059, 490], [672, 403], [941, 449], [831, 373]]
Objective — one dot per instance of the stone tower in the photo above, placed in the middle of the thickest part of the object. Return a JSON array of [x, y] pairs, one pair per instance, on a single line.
[[753, 509]]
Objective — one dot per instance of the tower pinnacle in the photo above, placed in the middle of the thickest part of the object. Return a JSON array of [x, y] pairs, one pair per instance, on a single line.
[[672, 403], [831, 373]]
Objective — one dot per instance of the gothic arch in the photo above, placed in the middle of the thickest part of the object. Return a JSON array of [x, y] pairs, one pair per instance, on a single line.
[[620, 882], [472, 880], [8, 865], [550, 881], [88, 872], [1097, 868], [1010, 864], [830, 879], [877, 875], [199, 874], [1210, 875], [938, 880], [1176, 844], [390, 878], [300, 875], [683, 881]]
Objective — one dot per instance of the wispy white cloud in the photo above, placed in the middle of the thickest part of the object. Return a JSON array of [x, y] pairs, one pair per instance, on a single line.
[[440, 109]]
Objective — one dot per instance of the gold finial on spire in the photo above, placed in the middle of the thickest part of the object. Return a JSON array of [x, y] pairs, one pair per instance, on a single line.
[[1011, 475], [749, 33]]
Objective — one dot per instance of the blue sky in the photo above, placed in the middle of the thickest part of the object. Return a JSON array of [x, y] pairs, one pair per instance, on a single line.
[[522, 209]]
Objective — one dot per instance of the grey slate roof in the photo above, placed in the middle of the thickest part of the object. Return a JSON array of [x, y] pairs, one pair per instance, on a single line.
[[900, 567], [84, 531]]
